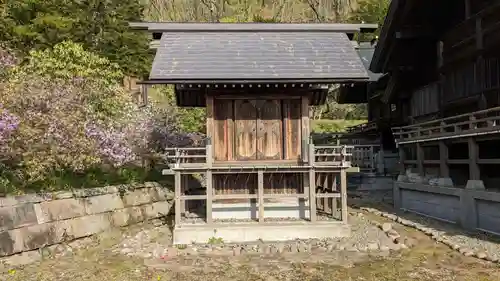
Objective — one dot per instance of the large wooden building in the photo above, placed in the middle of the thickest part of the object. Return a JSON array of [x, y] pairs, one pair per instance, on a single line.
[[442, 61], [257, 82]]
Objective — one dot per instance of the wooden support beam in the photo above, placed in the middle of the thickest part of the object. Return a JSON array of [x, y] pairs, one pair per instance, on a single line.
[[210, 115], [412, 32], [474, 172], [402, 159], [479, 34], [209, 185], [333, 184], [209, 180], [260, 192], [467, 9], [420, 159], [326, 201], [312, 184], [343, 192], [444, 170], [177, 190]]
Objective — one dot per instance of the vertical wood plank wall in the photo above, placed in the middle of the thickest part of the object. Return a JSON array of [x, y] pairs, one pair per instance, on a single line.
[[245, 129]]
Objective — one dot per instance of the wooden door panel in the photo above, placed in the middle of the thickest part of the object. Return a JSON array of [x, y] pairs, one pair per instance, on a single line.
[[223, 130], [245, 126], [269, 130], [292, 128]]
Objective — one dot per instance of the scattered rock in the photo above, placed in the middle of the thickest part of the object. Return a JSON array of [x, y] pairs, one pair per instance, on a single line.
[[492, 258], [469, 254], [481, 255], [384, 248], [236, 251], [409, 242], [373, 246], [386, 227]]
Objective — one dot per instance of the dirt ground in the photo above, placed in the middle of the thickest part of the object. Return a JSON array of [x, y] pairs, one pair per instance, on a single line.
[[426, 261]]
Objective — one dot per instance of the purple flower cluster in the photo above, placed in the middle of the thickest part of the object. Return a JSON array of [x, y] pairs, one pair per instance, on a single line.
[[112, 144], [8, 124], [6, 58]]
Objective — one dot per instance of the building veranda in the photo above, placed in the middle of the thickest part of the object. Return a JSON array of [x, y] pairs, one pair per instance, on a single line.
[[264, 178], [443, 89]]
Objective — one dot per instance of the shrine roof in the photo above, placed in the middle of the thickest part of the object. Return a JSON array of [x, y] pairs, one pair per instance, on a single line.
[[256, 53]]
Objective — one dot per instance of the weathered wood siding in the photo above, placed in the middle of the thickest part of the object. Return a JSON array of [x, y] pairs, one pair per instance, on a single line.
[[257, 129], [245, 131], [269, 130], [425, 100], [284, 183]]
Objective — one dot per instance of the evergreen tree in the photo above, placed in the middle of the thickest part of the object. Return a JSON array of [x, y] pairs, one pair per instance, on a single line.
[[100, 25]]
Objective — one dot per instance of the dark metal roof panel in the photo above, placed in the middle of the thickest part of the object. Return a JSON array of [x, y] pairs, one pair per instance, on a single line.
[[256, 56]]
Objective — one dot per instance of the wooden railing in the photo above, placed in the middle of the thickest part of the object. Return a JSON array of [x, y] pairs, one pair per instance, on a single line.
[[465, 125], [487, 21], [362, 127], [316, 160], [364, 157], [199, 157]]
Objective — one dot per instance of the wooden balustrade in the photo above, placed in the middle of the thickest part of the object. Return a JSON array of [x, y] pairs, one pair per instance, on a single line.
[[481, 122], [196, 157], [325, 160], [465, 32]]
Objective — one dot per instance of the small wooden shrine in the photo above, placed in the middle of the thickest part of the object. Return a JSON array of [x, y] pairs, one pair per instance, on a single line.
[[264, 178]]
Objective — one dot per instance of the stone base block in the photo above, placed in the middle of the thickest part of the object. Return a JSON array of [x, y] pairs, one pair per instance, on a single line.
[[241, 233], [475, 184]]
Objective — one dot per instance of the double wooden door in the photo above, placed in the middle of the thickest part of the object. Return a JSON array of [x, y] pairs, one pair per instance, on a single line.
[[258, 130]]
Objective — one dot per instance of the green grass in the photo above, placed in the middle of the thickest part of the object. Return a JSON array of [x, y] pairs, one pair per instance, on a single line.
[[333, 126]]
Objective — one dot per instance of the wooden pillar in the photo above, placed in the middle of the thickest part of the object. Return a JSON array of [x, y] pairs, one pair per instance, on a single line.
[[312, 184], [474, 172], [209, 181], [402, 159], [326, 201], [333, 178], [177, 190], [305, 127], [260, 194], [210, 116], [420, 159], [444, 170], [343, 193], [467, 9], [479, 33], [372, 160]]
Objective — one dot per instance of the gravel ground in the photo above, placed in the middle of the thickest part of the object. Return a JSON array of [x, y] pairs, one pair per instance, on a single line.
[[144, 252], [155, 244], [100, 258]]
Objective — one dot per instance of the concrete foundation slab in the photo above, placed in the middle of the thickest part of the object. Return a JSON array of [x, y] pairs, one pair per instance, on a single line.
[[245, 232]]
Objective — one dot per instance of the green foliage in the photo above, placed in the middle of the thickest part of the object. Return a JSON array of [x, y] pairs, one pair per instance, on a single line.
[[68, 60], [184, 118], [101, 26], [333, 126], [370, 11], [71, 118]]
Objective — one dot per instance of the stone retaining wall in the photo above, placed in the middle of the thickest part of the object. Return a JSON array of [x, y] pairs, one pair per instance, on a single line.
[[34, 221], [473, 209]]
